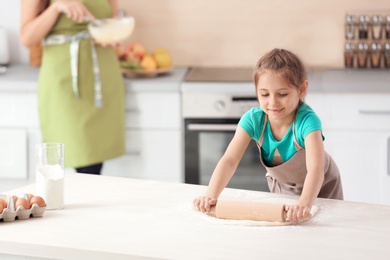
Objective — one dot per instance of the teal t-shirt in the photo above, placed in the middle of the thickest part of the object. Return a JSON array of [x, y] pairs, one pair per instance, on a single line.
[[306, 121]]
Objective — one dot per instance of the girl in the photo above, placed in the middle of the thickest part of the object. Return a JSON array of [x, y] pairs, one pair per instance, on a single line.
[[80, 89], [288, 134]]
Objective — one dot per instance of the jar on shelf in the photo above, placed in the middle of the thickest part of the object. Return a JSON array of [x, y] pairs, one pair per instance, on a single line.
[[387, 27], [364, 21], [362, 55], [376, 55], [386, 55], [376, 27], [349, 54], [350, 26]]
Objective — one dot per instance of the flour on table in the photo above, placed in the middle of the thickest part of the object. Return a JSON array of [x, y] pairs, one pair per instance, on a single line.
[[313, 212]]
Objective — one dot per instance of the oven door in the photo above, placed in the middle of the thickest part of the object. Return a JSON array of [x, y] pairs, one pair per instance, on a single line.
[[205, 141]]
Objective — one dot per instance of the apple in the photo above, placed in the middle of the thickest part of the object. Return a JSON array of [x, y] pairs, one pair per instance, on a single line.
[[136, 48], [148, 63]]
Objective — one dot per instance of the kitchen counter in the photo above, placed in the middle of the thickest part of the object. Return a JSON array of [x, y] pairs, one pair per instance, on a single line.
[[320, 80], [120, 218], [24, 78]]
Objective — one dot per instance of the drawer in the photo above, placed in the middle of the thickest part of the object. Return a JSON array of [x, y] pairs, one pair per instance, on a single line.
[[13, 153], [150, 154], [352, 111], [18, 110], [153, 110]]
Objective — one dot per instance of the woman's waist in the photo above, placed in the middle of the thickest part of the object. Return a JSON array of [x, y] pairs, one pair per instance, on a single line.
[[67, 31]]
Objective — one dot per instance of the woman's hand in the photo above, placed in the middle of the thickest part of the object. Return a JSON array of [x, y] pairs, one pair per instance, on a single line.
[[297, 213], [204, 203], [74, 10]]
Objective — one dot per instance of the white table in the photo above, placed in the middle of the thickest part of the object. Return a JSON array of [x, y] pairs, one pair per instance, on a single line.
[[120, 218]]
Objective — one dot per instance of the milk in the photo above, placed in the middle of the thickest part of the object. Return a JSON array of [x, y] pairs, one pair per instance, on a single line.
[[50, 185]]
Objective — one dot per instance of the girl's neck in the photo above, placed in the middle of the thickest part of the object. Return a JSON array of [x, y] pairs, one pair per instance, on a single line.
[[279, 127]]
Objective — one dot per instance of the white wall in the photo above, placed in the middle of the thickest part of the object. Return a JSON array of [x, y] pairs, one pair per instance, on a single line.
[[228, 32]]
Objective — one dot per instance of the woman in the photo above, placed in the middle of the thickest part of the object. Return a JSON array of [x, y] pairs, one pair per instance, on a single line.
[[80, 89]]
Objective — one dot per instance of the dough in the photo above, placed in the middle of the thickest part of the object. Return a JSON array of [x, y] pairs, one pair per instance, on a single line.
[[313, 211]]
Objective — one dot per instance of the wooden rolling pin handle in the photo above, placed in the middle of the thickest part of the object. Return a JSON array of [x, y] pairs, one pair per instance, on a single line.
[[242, 210]]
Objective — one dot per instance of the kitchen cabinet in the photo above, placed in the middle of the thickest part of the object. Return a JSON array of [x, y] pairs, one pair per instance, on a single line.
[[153, 126], [13, 153], [153, 138], [17, 118], [357, 133]]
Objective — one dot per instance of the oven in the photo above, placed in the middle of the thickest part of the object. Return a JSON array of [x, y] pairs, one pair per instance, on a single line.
[[211, 111]]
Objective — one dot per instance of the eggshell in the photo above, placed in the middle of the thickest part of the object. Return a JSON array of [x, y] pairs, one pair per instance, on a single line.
[[30, 196], [38, 200], [3, 203], [15, 198], [22, 202]]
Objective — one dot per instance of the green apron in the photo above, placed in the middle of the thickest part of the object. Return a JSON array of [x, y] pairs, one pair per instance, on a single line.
[[91, 134]]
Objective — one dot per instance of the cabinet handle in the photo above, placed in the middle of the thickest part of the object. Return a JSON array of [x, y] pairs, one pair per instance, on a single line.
[[212, 127], [133, 153], [374, 112], [132, 110], [388, 155]]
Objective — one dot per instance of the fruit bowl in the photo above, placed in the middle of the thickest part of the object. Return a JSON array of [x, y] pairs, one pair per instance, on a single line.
[[111, 30], [140, 73]]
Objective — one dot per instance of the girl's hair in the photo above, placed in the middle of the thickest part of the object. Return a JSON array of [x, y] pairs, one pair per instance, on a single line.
[[284, 63]]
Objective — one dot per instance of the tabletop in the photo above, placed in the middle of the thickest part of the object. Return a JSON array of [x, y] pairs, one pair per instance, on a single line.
[[122, 218]]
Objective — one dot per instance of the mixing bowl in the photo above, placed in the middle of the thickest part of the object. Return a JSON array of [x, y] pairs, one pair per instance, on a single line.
[[111, 30]]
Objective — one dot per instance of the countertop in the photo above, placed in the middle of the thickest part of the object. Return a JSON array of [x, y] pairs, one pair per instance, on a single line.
[[25, 78], [321, 80], [121, 218]]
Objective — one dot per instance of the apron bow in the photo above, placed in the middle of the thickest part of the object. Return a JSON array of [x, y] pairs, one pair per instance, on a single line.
[[74, 41]]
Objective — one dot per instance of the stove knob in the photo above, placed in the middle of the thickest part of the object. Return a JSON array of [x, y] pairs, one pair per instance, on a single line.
[[220, 105]]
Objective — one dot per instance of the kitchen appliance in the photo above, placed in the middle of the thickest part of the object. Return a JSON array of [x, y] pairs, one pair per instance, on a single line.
[[213, 101], [4, 49]]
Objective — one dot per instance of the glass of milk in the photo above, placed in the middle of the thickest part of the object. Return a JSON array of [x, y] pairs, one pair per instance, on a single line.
[[50, 174]]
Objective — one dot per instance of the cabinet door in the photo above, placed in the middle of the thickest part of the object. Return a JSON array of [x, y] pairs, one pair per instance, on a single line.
[[150, 154], [13, 153], [386, 176], [360, 157], [153, 110], [34, 138]]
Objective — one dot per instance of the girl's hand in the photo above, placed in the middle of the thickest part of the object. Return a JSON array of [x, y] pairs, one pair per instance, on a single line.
[[74, 10], [203, 203], [297, 213]]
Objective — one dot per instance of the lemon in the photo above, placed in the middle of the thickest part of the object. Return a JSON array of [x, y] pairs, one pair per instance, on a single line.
[[162, 58]]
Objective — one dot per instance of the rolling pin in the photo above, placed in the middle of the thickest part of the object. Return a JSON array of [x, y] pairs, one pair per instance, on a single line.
[[249, 210]]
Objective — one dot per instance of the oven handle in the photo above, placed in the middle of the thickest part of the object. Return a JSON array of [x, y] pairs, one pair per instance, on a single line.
[[212, 127]]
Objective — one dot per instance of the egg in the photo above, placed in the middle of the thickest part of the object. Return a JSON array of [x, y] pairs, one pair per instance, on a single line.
[[3, 203], [1, 208], [22, 202], [15, 198], [38, 200], [29, 195]]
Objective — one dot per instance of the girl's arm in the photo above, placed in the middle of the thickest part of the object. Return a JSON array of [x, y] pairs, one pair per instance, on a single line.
[[224, 170], [35, 24], [314, 147]]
